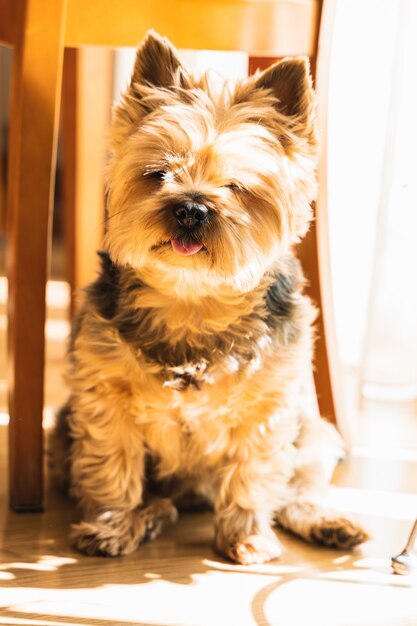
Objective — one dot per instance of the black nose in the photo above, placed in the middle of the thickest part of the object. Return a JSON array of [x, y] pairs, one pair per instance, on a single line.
[[191, 213]]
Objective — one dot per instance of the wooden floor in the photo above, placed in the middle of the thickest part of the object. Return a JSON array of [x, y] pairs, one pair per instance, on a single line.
[[178, 580]]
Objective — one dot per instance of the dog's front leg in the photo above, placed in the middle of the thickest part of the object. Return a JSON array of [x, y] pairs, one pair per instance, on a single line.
[[107, 466], [243, 513]]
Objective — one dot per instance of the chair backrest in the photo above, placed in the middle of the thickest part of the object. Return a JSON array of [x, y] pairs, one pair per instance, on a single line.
[[261, 27]]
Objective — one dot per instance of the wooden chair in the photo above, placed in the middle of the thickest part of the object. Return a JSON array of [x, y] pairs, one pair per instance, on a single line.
[[39, 31]]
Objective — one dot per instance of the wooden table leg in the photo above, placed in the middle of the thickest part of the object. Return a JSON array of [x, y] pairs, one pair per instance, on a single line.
[[35, 92]]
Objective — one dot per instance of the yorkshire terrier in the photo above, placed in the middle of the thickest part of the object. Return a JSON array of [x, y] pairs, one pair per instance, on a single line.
[[188, 359]]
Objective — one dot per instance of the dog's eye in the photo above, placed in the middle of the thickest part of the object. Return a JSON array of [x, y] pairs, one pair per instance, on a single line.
[[234, 187], [156, 174]]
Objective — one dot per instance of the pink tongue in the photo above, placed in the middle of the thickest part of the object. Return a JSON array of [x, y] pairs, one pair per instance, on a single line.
[[186, 248]]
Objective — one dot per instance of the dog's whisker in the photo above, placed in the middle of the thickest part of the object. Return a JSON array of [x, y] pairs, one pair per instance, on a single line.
[[109, 217]]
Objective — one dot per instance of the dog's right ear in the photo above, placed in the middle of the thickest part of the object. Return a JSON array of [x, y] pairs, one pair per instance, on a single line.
[[157, 68], [157, 63]]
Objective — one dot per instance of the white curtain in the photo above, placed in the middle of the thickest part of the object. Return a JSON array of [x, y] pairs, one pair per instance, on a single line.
[[372, 182]]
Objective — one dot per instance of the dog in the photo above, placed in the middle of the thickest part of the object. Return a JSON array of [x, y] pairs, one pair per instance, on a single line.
[[189, 357]]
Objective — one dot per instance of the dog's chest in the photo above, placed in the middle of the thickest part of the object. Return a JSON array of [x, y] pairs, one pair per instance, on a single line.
[[188, 425], [192, 395], [189, 430]]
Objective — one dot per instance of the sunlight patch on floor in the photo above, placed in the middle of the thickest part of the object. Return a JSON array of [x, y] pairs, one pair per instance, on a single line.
[[329, 598], [338, 603], [26, 621], [370, 571], [204, 602], [391, 505], [264, 568], [46, 563]]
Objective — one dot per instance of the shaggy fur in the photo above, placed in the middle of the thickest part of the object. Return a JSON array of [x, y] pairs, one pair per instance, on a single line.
[[187, 371]]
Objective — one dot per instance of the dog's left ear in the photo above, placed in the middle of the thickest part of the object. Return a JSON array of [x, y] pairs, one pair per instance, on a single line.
[[157, 63], [290, 82]]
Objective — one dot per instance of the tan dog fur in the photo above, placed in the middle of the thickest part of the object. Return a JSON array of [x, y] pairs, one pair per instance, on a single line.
[[186, 372]]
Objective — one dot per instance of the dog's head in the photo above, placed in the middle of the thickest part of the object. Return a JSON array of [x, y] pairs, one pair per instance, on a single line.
[[210, 183]]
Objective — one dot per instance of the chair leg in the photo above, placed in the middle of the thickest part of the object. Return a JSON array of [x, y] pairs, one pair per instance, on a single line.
[[327, 370], [2, 181], [315, 253], [86, 108], [37, 69]]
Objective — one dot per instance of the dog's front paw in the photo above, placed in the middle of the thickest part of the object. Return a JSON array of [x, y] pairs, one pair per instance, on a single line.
[[254, 549], [251, 549], [339, 532], [154, 514], [115, 533], [100, 539]]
